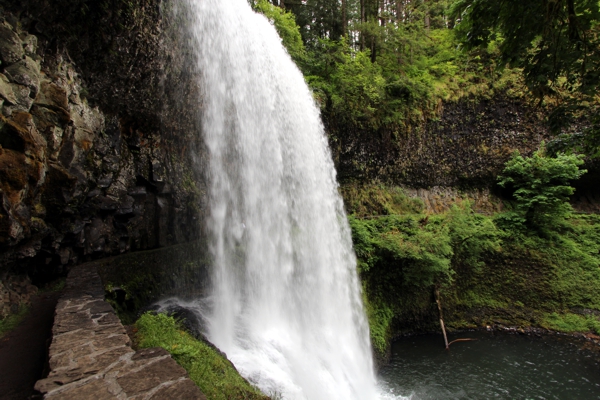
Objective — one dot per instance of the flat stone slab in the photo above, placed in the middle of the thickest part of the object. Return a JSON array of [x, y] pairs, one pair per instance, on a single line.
[[91, 356]]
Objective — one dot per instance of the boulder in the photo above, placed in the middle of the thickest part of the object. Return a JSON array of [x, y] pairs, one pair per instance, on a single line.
[[30, 44], [6, 90], [52, 96], [23, 101], [11, 48], [25, 72]]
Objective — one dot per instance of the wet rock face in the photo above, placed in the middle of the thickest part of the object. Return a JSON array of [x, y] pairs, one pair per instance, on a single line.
[[15, 291], [466, 147], [80, 178]]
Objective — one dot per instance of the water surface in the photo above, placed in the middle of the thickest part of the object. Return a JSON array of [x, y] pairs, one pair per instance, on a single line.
[[495, 366]]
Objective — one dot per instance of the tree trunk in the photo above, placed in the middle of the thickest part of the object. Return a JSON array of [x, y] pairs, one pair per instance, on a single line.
[[439, 304], [573, 28], [362, 20], [427, 20], [399, 11], [344, 17]]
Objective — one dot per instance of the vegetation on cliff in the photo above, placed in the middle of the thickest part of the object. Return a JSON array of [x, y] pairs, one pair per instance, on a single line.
[[385, 67], [534, 264], [391, 63]]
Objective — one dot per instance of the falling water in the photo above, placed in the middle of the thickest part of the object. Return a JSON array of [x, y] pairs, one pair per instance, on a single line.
[[286, 306]]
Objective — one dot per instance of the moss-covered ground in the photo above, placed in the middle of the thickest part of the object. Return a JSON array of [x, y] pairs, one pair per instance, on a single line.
[[211, 371]]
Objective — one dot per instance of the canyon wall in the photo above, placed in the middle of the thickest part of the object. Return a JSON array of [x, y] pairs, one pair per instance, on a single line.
[[99, 154]]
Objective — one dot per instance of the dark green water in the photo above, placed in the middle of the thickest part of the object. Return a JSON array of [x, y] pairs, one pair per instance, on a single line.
[[495, 366]]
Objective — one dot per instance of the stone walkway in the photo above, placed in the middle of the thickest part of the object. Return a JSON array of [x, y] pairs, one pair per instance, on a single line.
[[91, 358]]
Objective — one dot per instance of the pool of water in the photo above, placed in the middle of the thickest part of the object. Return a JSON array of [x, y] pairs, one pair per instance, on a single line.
[[494, 366]]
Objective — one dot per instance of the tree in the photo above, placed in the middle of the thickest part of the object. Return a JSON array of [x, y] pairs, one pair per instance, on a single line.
[[285, 24], [555, 42], [540, 187]]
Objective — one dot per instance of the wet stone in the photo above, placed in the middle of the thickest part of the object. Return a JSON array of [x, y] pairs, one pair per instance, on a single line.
[[6, 90], [183, 389], [90, 357], [11, 48], [52, 96], [97, 390], [25, 72], [150, 376]]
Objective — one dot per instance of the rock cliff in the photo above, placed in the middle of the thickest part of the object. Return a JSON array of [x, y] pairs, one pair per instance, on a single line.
[[99, 153]]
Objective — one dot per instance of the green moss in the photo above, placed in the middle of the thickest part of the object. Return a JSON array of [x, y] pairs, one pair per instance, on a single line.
[[568, 322], [491, 274], [12, 321], [56, 285], [380, 317], [214, 374], [376, 200]]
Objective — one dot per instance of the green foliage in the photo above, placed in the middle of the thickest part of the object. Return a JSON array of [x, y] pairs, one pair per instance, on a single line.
[[487, 275], [359, 87], [560, 39], [540, 187], [402, 257], [285, 23], [380, 316], [472, 235], [213, 373], [571, 323], [377, 200], [381, 68], [11, 321], [419, 249], [558, 48]]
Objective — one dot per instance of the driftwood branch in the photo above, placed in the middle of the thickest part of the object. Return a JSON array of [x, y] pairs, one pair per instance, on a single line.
[[439, 304], [461, 340]]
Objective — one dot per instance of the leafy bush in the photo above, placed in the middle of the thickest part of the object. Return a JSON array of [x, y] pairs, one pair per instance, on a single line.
[[401, 258], [421, 247], [540, 187], [285, 24]]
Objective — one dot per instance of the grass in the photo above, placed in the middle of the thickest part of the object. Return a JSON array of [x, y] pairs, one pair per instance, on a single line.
[[55, 286], [568, 322], [12, 321], [213, 373]]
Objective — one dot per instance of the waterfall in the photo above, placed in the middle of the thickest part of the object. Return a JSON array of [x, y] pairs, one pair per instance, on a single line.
[[286, 306]]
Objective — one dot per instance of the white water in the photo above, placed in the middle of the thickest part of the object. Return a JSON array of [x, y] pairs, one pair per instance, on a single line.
[[286, 306]]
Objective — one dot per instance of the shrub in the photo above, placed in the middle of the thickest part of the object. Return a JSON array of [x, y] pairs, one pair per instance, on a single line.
[[540, 187]]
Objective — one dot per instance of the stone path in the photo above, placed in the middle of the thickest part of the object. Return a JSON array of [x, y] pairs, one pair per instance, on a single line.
[[91, 358]]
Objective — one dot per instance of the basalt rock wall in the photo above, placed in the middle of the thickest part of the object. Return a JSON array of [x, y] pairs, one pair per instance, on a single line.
[[466, 146], [99, 152]]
